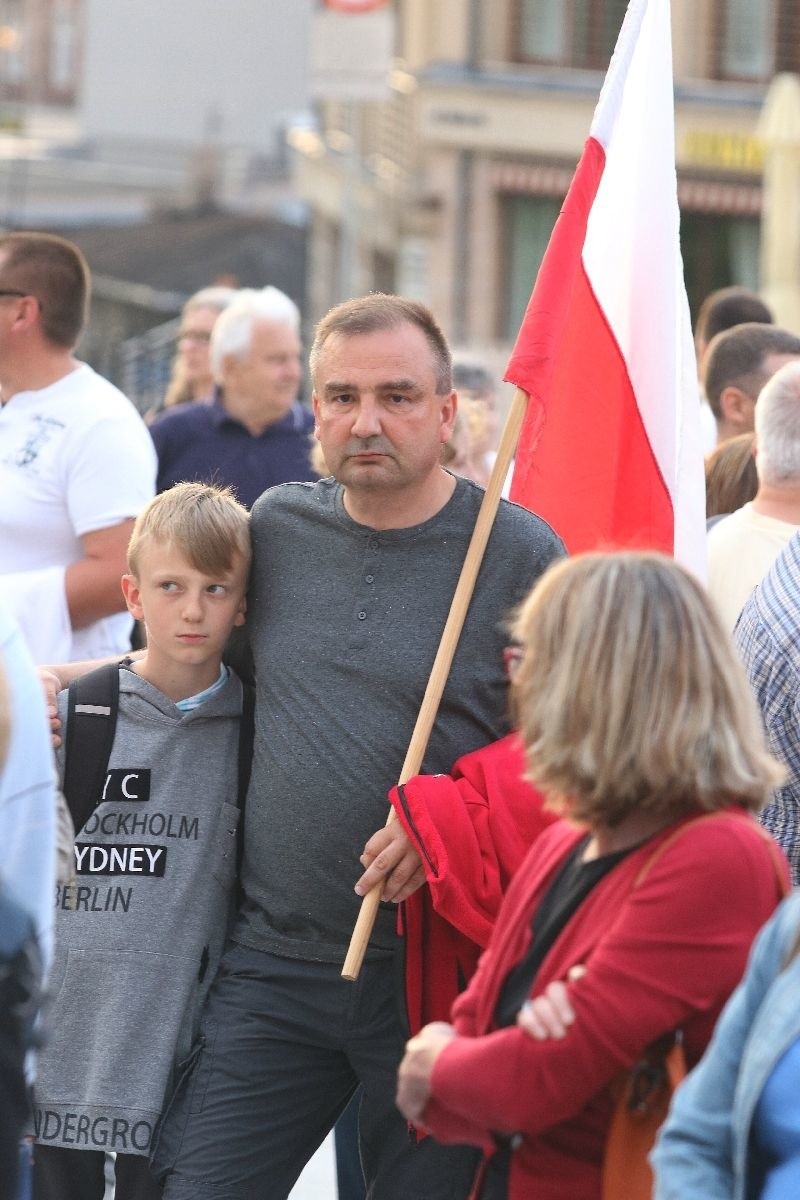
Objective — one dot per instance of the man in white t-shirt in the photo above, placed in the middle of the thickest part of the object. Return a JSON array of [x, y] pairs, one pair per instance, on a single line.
[[743, 546], [76, 461]]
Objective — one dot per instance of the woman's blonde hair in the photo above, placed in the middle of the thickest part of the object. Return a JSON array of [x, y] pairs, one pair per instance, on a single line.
[[206, 524], [179, 390], [629, 695]]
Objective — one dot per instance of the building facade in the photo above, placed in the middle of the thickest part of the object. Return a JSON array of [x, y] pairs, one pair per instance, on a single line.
[[460, 173], [108, 108]]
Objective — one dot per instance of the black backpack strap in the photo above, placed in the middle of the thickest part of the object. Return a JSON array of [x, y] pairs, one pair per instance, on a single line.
[[246, 734], [92, 706]]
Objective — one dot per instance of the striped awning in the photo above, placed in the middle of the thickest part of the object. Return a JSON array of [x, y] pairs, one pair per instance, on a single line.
[[718, 196], [532, 179]]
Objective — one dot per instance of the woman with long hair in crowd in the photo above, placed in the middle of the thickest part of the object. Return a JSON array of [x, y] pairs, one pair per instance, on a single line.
[[191, 377], [640, 905]]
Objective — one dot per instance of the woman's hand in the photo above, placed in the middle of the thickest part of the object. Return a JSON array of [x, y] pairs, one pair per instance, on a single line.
[[414, 1075], [551, 1014]]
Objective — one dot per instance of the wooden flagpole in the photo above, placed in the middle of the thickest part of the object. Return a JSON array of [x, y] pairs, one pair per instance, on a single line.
[[444, 656]]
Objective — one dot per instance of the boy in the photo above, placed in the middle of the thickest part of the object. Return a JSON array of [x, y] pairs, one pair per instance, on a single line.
[[139, 931]]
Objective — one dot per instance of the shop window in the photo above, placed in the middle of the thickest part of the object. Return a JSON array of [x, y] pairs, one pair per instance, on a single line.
[[570, 33], [718, 251], [755, 40], [746, 39], [528, 223], [543, 31]]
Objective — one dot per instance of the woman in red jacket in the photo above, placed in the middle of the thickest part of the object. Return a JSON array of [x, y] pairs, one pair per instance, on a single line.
[[639, 727]]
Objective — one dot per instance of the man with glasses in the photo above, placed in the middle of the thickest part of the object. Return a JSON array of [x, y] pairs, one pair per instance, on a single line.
[[191, 378], [76, 462]]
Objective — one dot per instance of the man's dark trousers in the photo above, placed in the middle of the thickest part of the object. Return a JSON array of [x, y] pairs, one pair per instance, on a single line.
[[284, 1044]]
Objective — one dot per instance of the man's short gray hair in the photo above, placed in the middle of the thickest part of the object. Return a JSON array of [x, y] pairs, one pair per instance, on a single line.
[[233, 331], [777, 420]]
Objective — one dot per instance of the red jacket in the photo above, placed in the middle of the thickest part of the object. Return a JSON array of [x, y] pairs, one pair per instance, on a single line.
[[472, 830], [664, 942]]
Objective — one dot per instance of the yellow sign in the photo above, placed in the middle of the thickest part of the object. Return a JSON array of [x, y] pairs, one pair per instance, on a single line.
[[726, 151]]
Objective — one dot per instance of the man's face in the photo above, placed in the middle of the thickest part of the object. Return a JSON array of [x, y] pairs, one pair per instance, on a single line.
[[269, 375], [379, 419]]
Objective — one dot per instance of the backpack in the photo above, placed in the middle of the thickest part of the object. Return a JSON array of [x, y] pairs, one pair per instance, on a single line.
[[92, 707]]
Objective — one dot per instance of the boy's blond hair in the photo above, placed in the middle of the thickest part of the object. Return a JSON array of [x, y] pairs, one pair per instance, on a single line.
[[206, 524]]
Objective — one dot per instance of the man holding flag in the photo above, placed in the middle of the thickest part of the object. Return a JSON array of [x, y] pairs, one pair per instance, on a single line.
[[352, 582]]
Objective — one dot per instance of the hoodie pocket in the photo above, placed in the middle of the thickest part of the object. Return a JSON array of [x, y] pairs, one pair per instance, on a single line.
[[112, 1037]]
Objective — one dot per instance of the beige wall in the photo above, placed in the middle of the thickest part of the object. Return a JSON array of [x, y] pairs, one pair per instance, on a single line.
[[433, 31], [691, 33], [496, 30], [485, 237], [505, 121]]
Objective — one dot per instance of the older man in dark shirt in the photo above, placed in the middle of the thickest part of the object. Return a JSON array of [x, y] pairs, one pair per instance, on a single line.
[[255, 433]]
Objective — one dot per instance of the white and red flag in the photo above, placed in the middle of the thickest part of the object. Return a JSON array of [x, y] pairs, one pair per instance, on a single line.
[[610, 452]]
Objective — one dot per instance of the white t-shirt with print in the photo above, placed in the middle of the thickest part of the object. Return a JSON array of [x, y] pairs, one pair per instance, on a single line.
[[74, 457]]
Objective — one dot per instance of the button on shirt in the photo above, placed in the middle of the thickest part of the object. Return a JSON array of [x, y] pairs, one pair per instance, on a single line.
[[202, 442]]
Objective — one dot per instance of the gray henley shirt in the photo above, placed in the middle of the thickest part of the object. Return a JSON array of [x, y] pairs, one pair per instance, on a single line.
[[344, 622]]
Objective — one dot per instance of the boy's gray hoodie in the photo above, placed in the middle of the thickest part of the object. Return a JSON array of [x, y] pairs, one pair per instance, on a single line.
[[140, 931]]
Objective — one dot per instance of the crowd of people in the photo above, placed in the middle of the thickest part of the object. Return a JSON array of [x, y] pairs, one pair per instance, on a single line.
[[571, 885]]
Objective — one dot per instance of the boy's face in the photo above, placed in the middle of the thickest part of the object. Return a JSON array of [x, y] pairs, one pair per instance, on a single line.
[[188, 614]]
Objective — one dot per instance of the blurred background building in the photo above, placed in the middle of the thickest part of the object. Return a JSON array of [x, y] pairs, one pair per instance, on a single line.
[[428, 153], [154, 135], [463, 170], [119, 107]]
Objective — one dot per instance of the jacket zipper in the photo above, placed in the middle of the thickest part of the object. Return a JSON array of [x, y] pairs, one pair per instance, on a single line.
[[401, 791]]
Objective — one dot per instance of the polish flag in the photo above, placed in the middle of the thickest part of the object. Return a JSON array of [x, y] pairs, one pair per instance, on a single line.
[[610, 451]]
